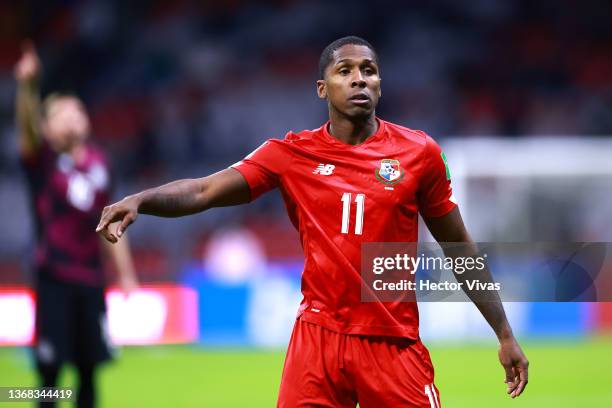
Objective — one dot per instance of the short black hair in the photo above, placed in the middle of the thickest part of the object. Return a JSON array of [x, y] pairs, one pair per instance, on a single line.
[[328, 53]]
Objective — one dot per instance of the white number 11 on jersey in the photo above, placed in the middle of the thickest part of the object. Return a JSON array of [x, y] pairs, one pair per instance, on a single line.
[[346, 213]]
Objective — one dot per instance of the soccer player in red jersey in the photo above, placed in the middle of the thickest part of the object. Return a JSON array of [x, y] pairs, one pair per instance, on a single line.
[[356, 179], [69, 185]]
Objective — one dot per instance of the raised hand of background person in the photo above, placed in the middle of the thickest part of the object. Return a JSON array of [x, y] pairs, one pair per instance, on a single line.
[[515, 365], [123, 212], [27, 100], [28, 67]]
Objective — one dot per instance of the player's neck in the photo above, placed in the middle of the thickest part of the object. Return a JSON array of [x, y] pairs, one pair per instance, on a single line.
[[77, 152], [350, 130]]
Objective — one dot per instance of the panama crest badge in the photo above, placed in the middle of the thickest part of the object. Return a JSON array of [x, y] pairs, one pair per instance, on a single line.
[[390, 172]]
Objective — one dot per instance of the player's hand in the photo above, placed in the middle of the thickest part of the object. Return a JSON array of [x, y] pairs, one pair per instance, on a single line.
[[515, 364], [124, 212], [27, 68]]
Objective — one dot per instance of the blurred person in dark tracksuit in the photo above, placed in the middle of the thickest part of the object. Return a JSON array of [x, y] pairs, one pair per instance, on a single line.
[[69, 184]]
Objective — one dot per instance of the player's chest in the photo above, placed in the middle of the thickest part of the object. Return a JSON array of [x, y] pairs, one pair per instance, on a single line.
[[386, 179], [77, 187]]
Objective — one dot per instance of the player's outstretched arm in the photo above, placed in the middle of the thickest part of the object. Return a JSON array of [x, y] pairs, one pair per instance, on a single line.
[[27, 103], [176, 199], [450, 228]]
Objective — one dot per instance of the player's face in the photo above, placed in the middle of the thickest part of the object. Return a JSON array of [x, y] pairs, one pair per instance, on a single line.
[[66, 123], [352, 81]]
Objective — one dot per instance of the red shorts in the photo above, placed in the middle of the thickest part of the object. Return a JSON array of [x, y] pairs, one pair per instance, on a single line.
[[328, 369]]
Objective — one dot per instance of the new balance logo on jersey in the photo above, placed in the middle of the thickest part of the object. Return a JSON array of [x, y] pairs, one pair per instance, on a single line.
[[324, 169]]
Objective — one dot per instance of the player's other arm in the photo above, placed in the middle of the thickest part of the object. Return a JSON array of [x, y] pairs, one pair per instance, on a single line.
[[176, 199], [27, 103], [450, 228], [124, 264]]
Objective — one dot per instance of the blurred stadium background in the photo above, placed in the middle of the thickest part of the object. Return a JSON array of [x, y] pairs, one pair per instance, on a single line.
[[519, 94]]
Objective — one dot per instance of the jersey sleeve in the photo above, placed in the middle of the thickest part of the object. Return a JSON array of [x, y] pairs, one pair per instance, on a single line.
[[264, 167], [435, 192]]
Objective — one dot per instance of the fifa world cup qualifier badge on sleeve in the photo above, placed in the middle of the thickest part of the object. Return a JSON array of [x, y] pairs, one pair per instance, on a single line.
[[390, 172]]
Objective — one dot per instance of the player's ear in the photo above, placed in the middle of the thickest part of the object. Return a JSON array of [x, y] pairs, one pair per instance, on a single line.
[[380, 88], [322, 89]]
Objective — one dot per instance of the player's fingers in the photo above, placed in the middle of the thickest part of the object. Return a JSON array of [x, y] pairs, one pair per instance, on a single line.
[[103, 227], [103, 219], [509, 377], [27, 46], [523, 380], [511, 385], [519, 389], [21, 69], [109, 236], [126, 222]]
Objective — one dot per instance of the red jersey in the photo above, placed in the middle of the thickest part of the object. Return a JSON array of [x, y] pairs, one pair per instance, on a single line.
[[339, 196]]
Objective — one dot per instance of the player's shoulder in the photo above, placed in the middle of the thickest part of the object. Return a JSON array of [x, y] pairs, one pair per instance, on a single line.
[[419, 138], [292, 139], [302, 137], [96, 155]]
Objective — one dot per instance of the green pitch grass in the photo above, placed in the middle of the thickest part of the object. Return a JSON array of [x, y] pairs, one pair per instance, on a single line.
[[562, 374]]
